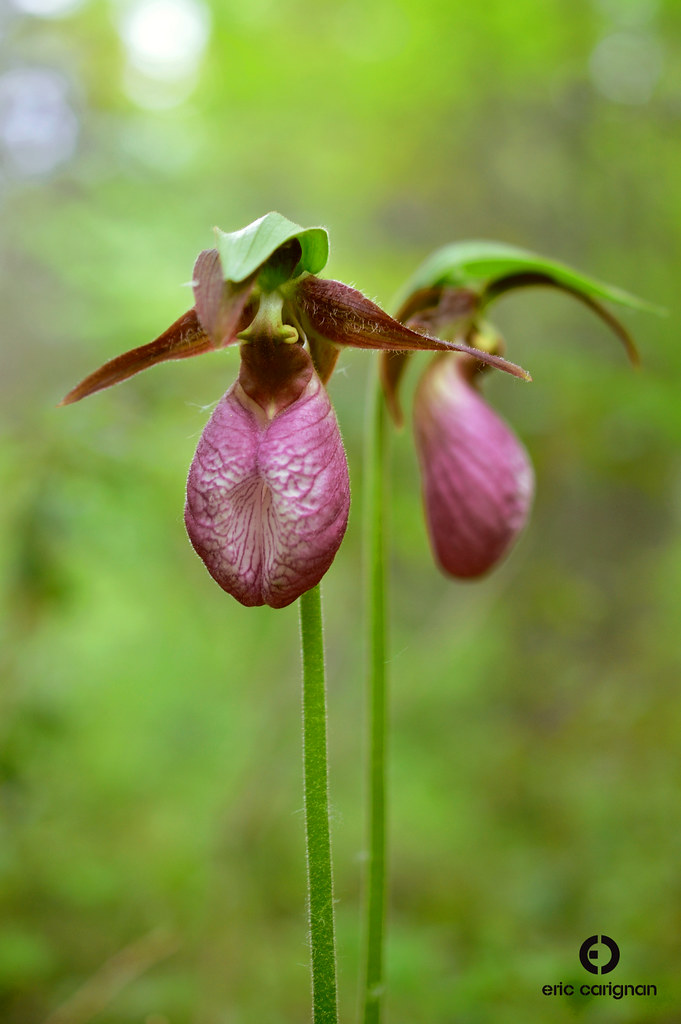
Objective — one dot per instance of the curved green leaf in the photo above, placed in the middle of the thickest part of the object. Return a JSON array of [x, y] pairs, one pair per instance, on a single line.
[[512, 282], [242, 252], [480, 262]]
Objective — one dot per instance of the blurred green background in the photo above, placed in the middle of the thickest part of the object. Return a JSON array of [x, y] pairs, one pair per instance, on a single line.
[[151, 855]]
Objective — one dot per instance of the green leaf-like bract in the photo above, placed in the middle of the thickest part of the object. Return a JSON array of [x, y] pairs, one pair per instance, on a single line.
[[242, 252], [465, 264]]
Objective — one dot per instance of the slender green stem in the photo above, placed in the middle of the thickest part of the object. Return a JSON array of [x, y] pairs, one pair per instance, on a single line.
[[375, 882], [317, 832]]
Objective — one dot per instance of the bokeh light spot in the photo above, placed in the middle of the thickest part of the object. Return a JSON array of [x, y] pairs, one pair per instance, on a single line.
[[626, 66], [47, 8], [165, 39], [38, 128]]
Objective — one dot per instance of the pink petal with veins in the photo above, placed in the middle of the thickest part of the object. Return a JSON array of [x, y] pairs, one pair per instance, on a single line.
[[268, 497], [477, 479]]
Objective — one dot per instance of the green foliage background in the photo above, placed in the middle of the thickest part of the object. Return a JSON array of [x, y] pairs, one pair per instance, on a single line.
[[151, 850]]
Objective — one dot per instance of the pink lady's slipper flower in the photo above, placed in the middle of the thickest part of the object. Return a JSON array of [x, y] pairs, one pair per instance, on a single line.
[[477, 479], [476, 476], [268, 493]]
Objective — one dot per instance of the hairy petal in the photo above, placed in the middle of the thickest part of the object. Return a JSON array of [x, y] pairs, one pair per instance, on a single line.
[[221, 311], [268, 497], [184, 338], [343, 315], [477, 479]]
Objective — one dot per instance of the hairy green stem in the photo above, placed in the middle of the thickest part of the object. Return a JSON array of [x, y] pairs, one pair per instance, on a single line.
[[375, 880], [316, 797]]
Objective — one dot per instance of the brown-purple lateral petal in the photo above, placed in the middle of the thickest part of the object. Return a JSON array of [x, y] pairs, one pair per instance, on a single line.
[[416, 302], [443, 310], [184, 338], [220, 304], [343, 315]]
